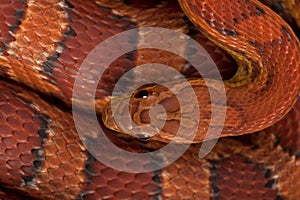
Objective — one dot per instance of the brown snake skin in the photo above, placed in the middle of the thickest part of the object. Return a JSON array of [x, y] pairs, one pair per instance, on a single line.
[[43, 43]]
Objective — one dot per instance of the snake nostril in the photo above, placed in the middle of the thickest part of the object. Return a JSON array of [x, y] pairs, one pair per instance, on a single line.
[[142, 94]]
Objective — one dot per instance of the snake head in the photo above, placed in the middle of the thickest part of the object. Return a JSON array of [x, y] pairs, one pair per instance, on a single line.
[[155, 112], [142, 114]]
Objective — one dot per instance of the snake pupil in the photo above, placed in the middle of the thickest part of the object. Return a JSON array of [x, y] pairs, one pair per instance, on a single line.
[[142, 94]]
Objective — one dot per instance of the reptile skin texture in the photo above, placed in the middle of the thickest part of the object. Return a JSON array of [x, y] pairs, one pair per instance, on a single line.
[[43, 44]]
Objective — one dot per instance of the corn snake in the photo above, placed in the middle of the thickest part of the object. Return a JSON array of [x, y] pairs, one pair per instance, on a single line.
[[56, 61]]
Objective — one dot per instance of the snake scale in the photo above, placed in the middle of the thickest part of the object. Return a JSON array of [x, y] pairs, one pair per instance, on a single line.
[[44, 42]]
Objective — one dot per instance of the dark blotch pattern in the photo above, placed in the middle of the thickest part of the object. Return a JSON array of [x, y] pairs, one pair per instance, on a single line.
[[259, 11], [227, 176], [38, 152], [235, 20], [84, 33], [105, 182], [10, 23], [20, 142], [253, 43], [287, 32], [270, 183], [232, 33], [278, 197]]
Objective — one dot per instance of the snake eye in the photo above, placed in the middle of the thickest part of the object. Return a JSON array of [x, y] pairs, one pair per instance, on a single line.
[[142, 94], [143, 136]]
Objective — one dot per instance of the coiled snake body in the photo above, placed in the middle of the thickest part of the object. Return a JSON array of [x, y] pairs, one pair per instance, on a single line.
[[43, 44]]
